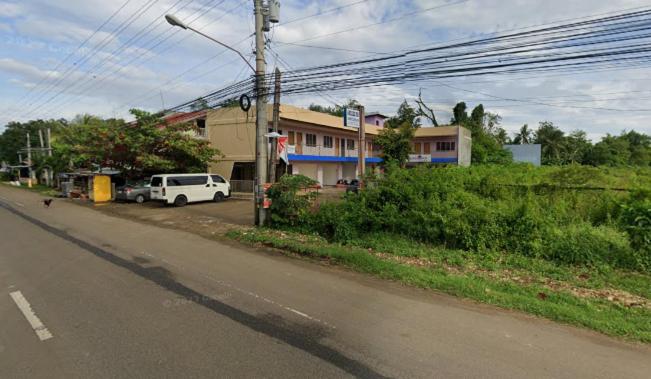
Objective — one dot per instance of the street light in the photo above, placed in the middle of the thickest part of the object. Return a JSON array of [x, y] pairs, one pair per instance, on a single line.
[[174, 21], [261, 102]]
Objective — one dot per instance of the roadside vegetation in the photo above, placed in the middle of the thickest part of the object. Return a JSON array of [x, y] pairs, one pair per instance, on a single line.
[[569, 243]]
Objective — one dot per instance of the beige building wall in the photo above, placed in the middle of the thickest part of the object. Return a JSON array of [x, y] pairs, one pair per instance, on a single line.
[[232, 132]]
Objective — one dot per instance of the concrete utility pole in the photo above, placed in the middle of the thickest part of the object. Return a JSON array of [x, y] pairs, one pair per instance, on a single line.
[[50, 177], [29, 161], [261, 116], [361, 152], [276, 119], [46, 171]]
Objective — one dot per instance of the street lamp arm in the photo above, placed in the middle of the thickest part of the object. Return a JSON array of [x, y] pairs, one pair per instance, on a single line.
[[224, 45]]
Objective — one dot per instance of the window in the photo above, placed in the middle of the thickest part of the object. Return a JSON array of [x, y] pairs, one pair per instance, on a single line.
[[445, 146], [327, 142], [198, 180], [156, 181], [350, 144], [217, 179], [310, 139], [377, 122]]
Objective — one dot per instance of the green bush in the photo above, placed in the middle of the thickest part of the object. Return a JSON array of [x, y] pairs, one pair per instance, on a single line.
[[635, 219], [291, 199], [517, 209], [584, 244]]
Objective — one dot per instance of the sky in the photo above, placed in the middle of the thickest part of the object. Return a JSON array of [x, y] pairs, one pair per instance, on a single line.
[[62, 58]]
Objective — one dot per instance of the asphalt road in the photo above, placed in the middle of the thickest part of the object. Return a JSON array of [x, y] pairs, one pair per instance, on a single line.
[[123, 299]]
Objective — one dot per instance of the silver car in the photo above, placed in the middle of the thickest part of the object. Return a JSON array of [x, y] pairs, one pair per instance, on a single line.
[[138, 192]]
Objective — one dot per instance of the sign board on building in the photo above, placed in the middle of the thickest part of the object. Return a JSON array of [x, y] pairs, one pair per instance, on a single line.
[[351, 118], [291, 149], [420, 158]]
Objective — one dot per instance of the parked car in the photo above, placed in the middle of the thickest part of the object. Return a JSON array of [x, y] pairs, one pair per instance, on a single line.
[[181, 189], [138, 192], [353, 186]]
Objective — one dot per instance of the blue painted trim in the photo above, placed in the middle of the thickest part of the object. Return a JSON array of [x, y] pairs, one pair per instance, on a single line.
[[444, 160]]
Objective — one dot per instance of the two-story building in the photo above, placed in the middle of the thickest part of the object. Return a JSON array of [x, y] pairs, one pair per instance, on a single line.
[[320, 146]]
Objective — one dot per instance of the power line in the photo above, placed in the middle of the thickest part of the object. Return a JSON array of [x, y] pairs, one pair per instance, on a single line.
[[71, 54]]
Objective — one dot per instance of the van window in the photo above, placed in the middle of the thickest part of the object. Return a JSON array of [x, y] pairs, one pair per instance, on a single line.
[[217, 179], [156, 181], [198, 180]]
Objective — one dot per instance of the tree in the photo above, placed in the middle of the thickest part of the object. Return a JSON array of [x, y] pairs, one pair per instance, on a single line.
[[14, 137], [552, 140], [576, 147], [395, 138], [148, 145], [459, 115], [523, 137], [425, 111], [395, 143], [487, 135], [639, 147], [610, 151], [406, 115], [337, 110], [199, 105]]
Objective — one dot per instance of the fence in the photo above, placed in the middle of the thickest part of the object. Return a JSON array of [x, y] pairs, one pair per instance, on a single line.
[[242, 186]]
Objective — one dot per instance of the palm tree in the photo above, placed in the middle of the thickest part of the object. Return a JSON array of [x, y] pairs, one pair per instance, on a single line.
[[523, 137]]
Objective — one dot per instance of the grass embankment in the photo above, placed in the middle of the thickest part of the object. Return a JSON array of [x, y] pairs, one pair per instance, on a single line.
[[571, 244], [613, 302]]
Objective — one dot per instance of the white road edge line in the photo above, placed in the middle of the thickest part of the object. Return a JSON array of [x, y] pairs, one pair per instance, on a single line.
[[19, 204], [24, 306]]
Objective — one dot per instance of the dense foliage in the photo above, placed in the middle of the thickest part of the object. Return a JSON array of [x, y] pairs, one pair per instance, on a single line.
[[145, 146], [571, 215]]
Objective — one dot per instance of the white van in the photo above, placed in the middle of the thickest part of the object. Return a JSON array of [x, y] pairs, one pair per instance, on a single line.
[[180, 189]]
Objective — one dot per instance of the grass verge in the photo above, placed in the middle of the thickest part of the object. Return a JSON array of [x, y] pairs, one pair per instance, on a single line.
[[38, 188], [612, 302]]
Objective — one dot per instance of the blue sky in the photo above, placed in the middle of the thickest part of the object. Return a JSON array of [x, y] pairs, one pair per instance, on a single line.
[[148, 63]]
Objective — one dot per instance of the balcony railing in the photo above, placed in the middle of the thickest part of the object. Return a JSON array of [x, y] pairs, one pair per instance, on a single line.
[[323, 151], [201, 133]]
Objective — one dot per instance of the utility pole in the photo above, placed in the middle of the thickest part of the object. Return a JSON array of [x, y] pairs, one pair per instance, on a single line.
[[276, 119], [361, 152], [40, 139], [29, 161], [50, 177], [261, 115]]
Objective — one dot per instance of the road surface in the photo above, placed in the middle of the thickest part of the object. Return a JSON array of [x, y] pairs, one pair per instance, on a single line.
[[118, 299]]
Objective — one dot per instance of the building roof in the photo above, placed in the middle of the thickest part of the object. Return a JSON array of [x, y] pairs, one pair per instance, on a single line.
[[376, 114], [296, 114]]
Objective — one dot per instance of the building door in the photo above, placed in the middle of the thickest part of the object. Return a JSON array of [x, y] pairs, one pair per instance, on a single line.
[[342, 145], [299, 143], [336, 147], [426, 148]]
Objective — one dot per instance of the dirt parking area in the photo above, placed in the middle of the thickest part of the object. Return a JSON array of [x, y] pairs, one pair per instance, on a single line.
[[208, 218]]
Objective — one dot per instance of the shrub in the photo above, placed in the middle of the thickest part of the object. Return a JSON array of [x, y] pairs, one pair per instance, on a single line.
[[584, 244], [516, 209], [291, 199], [635, 219]]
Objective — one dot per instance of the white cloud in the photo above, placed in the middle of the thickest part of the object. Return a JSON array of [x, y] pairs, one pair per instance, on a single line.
[[8, 9], [45, 32]]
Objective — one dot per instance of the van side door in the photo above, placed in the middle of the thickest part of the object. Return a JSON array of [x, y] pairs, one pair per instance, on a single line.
[[219, 185]]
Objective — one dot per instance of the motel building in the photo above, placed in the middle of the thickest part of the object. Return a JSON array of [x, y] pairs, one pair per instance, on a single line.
[[319, 145]]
